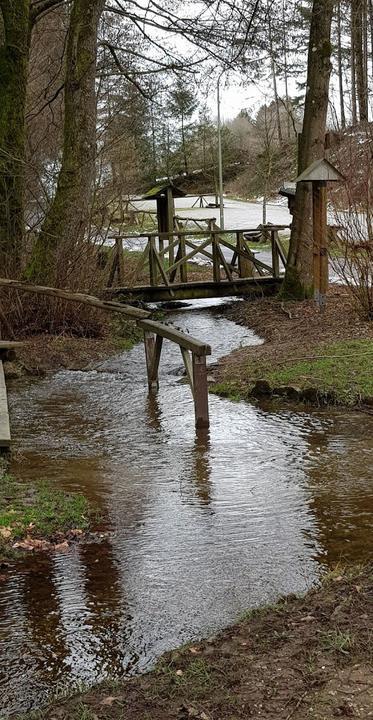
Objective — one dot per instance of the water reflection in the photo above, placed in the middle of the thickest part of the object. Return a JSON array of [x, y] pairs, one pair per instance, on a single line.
[[201, 526], [339, 466]]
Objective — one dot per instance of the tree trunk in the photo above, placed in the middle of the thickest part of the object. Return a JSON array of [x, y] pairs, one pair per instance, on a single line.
[[184, 144], [357, 8], [286, 72], [353, 68], [274, 78], [66, 222], [298, 281], [340, 69], [14, 57]]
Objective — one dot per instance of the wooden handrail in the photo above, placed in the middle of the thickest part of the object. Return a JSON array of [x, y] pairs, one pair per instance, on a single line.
[[196, 233], [167, 331]]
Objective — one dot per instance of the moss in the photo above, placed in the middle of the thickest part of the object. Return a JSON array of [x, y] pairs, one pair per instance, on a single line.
[[229, 390], [293, 288]]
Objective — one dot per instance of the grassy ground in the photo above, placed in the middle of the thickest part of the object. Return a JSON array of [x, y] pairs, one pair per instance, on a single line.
[[305, 355], [340, 373], [302, 658], [38, 516]]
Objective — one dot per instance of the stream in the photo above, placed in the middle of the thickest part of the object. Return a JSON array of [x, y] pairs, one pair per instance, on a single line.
[[200, 526]]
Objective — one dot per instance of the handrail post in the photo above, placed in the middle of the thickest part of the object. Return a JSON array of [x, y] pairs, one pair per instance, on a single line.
[[120, 263], [215, 258], [171, 254], [200, 391], [245, 266], [275, 254], [152, 264]]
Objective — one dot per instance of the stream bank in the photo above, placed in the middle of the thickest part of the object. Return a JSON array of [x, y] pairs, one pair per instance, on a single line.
[[306, 657], [200, 527], [41, 354], [308, 357]]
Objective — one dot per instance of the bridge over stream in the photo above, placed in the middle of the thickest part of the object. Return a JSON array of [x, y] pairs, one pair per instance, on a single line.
[[230, 265]]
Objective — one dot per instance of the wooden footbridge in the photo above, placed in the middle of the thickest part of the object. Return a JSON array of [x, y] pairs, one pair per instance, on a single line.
[[228, 264]]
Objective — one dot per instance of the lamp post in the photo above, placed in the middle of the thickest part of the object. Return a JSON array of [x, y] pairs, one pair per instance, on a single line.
[[220, 159]]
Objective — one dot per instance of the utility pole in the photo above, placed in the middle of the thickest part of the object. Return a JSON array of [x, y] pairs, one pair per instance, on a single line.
[[220, 160]]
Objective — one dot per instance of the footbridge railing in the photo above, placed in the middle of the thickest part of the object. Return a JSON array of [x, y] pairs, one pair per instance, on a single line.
[[166, 256]]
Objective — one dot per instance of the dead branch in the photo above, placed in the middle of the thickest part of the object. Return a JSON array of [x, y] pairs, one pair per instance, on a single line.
[[107, 305]]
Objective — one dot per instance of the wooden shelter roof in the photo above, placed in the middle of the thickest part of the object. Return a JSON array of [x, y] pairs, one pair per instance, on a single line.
[[321, 170], [160, 191]]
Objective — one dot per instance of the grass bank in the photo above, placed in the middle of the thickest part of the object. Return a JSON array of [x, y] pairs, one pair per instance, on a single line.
[[306, 356], [340, 373], [39, 517], [308, 657]]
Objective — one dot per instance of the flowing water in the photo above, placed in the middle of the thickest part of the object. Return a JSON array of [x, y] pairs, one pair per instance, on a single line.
[[200, 526]]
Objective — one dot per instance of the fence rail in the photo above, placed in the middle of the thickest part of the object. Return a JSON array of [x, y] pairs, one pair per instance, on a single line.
[[166, 256]]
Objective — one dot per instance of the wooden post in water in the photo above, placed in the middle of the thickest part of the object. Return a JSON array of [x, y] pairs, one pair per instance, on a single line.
[[196, 368], [153, 348], [200, 391]]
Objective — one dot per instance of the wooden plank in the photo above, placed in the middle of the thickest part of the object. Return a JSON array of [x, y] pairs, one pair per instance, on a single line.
[[201, 289], [170, 333], [152, 263], [10, 345], [153, 348], [5, 439], [203, 252], [275, 255], [197, 233], [216, 259], [201, 395], [188, 367], [191, 254], [281, 251], [161, 268], [225, 264]]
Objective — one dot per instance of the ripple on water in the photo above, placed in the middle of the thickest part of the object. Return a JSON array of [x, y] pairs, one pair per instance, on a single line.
[[202, 526]]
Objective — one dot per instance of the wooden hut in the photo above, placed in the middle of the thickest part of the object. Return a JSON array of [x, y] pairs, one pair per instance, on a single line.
[[164, 194]]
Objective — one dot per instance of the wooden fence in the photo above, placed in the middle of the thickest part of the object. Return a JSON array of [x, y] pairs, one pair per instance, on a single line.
[[166, 256]]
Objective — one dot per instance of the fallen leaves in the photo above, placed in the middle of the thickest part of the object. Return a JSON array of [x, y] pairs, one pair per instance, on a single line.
[[6, 533], [108, 701], [31, 544]]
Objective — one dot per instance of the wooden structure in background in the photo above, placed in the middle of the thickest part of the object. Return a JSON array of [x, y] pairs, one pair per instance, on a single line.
[[164, 195], [319, 174], [166, 257]]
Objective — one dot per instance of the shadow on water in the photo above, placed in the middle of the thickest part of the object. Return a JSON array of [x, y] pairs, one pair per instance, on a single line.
[[201, 526]]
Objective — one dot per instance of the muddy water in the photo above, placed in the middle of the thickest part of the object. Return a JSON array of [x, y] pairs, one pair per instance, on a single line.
[[200, 527]]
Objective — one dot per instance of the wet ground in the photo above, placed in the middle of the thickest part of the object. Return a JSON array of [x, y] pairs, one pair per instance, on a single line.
[[200, 527]]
